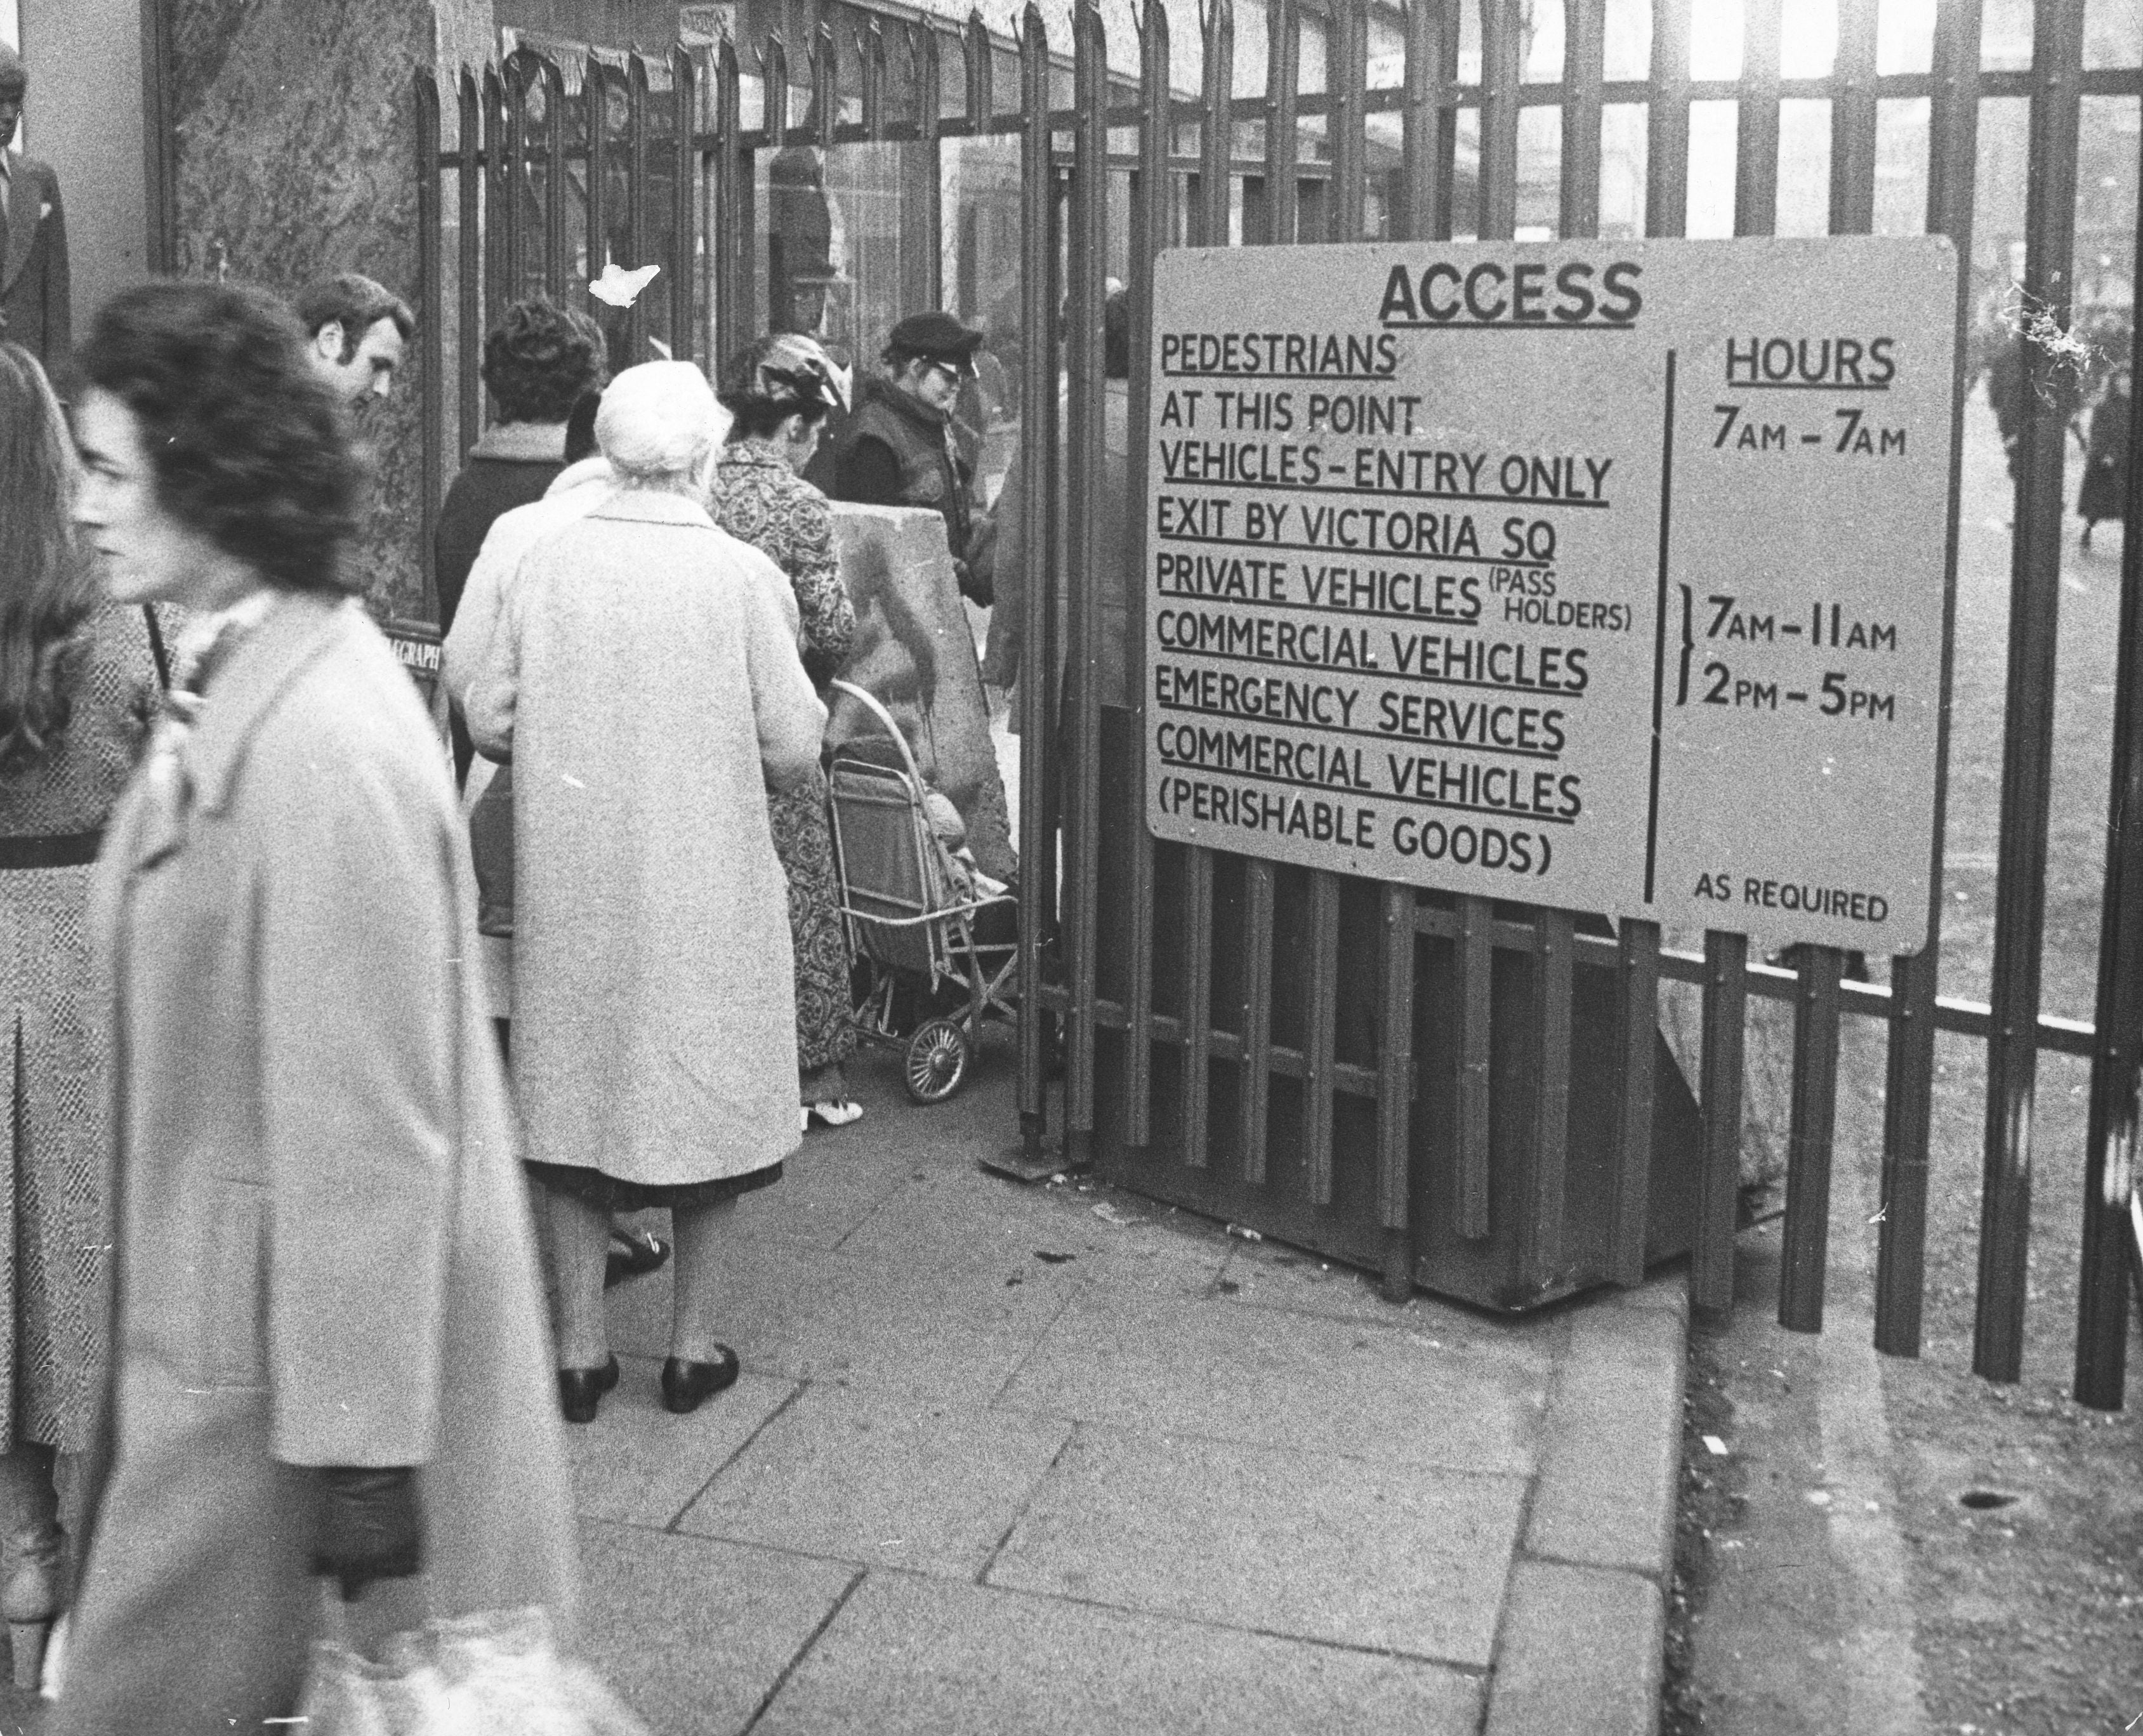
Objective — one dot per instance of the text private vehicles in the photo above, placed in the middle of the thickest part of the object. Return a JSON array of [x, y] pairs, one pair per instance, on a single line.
[[1590, 572]]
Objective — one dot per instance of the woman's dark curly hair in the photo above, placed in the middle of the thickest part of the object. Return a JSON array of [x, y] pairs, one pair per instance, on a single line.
[[47, 589], [540, 358], [248, 446]]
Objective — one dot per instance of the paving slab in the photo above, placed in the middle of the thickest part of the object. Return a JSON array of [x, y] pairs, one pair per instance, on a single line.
[[881, 1478], [911, 1657], [1400, 1558], [1293, 1381], [695, 1635], [1271, 1274], [1580, 1652], [1610, 1450], [637, 1463], [805, 1314], [826, 1189], [1058, 1234]]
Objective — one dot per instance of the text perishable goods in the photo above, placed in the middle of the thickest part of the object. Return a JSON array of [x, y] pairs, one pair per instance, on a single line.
[[1607, 576]]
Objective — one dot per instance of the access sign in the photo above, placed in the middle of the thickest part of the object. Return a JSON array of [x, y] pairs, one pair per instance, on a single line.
[[1603, 575]]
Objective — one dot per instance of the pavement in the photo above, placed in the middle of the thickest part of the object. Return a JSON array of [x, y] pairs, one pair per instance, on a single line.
[[1058, 1459]]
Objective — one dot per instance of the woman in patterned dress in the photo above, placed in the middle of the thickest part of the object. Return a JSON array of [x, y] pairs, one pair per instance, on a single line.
[[76, 686], [779, 390]]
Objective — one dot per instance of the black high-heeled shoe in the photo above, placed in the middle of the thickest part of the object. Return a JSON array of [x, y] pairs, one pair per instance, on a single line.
[[580, 1390], [686, 1386]]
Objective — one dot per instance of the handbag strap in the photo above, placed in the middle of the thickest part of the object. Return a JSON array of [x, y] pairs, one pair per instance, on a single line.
[[158, 649]]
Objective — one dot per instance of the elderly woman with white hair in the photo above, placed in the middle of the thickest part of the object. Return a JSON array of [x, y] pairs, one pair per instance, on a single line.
[[645, 683]]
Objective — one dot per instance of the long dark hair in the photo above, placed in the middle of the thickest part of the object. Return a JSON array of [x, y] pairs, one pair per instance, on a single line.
[[46, 590]]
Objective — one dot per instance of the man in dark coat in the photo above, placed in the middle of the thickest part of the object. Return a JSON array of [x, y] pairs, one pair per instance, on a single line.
[[34, 294], [899, 448]]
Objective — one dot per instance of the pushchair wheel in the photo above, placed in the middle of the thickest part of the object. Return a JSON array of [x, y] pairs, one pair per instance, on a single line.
[[937, 1060]]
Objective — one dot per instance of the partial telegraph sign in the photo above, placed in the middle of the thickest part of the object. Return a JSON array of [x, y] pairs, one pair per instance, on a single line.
[[1607, 576]]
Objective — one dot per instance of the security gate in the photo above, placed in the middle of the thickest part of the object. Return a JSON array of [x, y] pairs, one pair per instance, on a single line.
[[1450, 1089]]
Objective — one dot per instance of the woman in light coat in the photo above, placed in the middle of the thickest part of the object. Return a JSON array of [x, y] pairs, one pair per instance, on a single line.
[[644, 681], [328, 1356]]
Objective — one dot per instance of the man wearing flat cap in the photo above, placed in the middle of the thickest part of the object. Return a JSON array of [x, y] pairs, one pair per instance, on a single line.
[[898, 448], [34, 295]]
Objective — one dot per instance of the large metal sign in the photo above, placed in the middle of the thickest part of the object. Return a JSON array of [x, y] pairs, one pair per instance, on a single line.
[[1607, 576]]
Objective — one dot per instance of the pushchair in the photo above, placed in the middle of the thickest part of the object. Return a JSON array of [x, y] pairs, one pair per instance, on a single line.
[[927, 977]]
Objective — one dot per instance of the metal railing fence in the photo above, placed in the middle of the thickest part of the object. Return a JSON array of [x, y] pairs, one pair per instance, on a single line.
[[1179, 1015]]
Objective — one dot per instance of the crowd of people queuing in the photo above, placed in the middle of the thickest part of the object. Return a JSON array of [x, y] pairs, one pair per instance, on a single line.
[[283, 1317]]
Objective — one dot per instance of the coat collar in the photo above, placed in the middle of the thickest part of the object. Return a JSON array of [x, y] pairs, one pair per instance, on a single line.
[[289, 637], [522, 443], [653, 506], [26, 191]]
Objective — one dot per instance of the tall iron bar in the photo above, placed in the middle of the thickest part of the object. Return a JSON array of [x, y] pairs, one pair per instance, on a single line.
[[1038, 903], [1081, 754], [1908, 1093], [637, 102], [1811, 1133], [685, 329], [470, 232], [2112, 1225], [2034, 592], [431, 297], [1153, 226]]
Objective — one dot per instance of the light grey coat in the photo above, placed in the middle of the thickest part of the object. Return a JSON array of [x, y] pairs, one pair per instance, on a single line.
[[645, 686], [324, 1254]]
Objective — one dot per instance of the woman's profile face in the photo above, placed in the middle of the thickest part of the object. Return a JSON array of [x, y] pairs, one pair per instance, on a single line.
[[145, 554]]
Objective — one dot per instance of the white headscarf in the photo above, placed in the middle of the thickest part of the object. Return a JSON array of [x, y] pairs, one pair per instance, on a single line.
[[659, 419]]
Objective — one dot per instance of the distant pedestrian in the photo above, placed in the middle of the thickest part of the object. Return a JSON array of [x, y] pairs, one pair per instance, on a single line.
[[900, 448], [1020, 528], [328, 1330], [2105, 491], [643, 679], [77, 681], [779, 390], [537, 361], [357, 332], [36, 294]]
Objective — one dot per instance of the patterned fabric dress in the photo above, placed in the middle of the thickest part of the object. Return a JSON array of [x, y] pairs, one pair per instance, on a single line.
[[758, 500], [52, 1230]]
